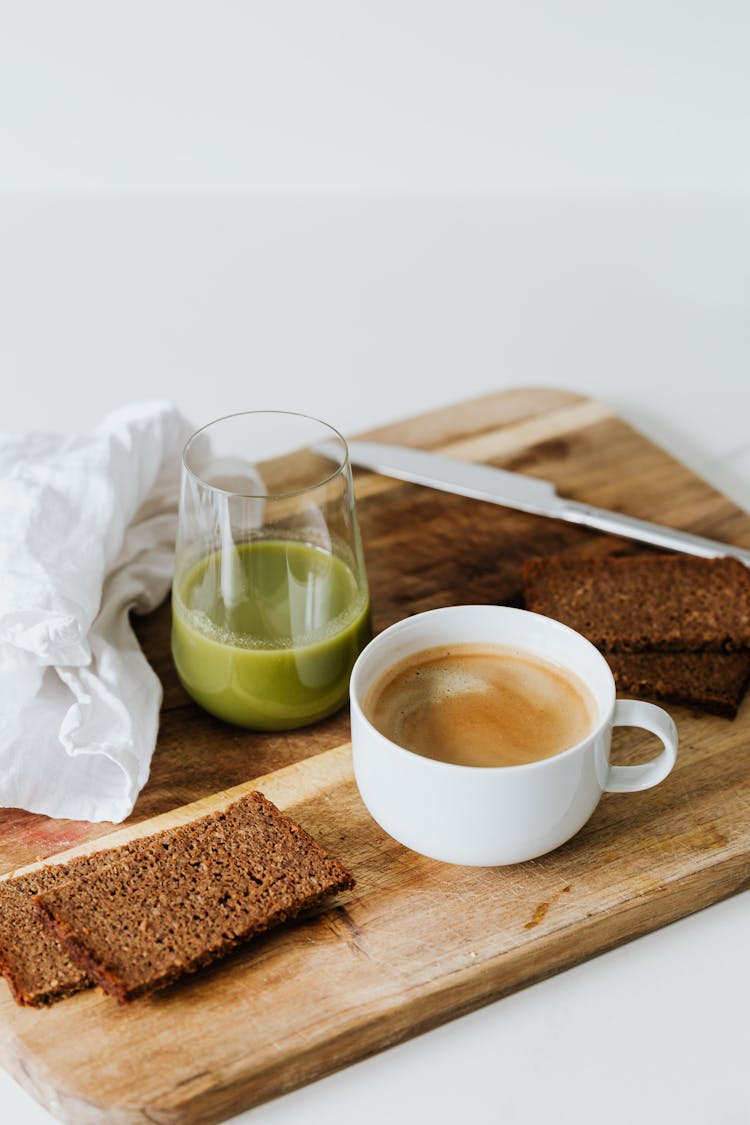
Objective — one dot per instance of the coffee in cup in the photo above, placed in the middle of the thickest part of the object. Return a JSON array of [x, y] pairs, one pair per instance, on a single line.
[[500, 813], [481, 705]]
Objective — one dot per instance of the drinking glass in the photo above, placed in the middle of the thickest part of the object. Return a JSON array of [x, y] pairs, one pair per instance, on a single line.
[[270, 606]]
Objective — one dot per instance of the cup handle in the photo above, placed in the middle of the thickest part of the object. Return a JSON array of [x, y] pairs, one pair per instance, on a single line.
[[636, 713]]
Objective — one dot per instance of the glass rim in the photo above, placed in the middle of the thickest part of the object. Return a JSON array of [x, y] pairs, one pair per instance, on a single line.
[[344, 464]]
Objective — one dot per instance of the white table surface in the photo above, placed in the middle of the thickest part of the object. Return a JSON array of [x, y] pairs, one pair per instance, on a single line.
[[365, 310]]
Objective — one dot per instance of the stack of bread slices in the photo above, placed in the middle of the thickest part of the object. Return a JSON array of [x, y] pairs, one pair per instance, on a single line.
[[134, 918], [672, 627]]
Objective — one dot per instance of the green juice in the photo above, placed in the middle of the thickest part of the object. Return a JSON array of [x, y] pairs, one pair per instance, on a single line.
[[266, 635]]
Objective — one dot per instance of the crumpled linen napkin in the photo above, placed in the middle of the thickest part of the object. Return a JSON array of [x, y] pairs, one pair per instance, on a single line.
[[87, 531]]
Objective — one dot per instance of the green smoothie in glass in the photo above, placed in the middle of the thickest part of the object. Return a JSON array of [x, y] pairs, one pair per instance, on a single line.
[[270, 607], [265, 635]]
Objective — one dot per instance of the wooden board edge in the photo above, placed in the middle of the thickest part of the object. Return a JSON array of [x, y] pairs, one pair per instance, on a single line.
[[462, 417], [35, 1080]]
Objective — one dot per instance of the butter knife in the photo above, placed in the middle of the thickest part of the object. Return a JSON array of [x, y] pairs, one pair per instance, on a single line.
[[527, 494]]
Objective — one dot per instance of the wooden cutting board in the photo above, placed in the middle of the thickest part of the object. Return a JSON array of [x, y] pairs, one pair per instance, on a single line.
[[416, 942]]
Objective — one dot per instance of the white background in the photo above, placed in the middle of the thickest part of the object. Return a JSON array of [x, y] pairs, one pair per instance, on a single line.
[[364, 210], [397, 96]]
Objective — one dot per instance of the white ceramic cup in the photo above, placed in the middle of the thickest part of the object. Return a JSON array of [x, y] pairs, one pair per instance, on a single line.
[[486, 816]]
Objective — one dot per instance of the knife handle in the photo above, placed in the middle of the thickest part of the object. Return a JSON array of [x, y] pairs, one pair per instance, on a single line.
[[646, 532]]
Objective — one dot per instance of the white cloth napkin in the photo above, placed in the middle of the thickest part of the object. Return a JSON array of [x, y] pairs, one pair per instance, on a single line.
[[87, 530]]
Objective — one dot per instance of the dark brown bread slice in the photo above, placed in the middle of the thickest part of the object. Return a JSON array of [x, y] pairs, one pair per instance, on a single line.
[[189, 895], [36, 967], [32, 961], [642, 603], [712, 681]]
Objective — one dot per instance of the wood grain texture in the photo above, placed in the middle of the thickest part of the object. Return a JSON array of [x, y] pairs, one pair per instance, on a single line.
[[416, 942]]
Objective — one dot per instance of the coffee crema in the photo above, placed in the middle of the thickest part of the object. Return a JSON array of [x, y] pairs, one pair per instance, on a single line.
[[481, 705]]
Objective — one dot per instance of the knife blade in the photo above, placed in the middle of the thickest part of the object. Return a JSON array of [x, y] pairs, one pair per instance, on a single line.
[[525, 493]]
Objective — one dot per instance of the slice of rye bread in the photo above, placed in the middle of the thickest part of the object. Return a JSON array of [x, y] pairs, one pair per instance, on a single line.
[[645, 603], [36, 967], [32, 961], [712, 681], [188, 895]]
